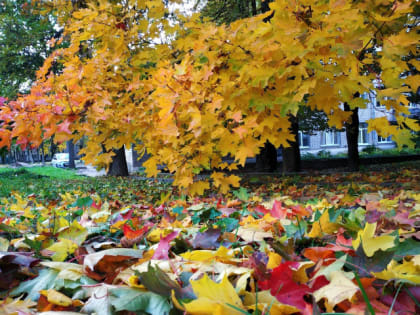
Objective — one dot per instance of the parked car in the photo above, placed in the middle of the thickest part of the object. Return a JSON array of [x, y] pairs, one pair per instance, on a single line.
[[60, 160]]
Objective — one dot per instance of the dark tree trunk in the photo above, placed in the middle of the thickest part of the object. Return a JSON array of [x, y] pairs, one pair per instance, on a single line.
[[118, 165], [266, 160], [291, 155], [254, 7], [352, 135], [42, 153], [265, 6], [70, 150], [53, 147]]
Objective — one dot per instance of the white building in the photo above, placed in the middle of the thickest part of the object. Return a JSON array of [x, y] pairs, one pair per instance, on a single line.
[[336, 142]]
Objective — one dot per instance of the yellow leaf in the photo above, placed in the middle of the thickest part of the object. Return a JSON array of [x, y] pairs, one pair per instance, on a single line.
[[56, 297], [404, 137], [156, 234], [207, 255], [267, 301], [62, 249], [323, 226], [75, 232], [213, 298], [274, 260], [224, 182], [408, 270], [339, 289], [197, 188], [300, 274], [381, 126], [370, 243]]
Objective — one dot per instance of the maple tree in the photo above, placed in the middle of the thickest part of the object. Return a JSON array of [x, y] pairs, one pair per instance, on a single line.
[[215, 90]]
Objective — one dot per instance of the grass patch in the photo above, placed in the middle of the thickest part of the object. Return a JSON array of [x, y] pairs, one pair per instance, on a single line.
[[53, 172], [49, 183], [37, 171]]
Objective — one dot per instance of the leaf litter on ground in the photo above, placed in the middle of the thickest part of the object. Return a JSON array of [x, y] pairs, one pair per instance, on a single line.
[[332, 243]]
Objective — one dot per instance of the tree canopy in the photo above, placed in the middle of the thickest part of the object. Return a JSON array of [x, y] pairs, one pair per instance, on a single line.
[[193, 92], [24, 33]]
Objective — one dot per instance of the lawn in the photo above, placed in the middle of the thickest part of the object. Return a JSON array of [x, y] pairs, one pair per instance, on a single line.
[[310, 244]]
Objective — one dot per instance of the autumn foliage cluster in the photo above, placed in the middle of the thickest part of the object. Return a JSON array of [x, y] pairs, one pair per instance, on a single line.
[[191, 92]]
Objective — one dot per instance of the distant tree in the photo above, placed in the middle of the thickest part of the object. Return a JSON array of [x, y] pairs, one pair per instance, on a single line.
[[24, 34]]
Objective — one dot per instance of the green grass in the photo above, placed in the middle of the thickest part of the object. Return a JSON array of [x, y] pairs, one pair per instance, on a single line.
[[48, 171], [48, 183]]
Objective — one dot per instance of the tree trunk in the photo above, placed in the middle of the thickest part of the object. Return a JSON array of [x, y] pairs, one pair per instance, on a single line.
[[266, 160], [254, 7], [291, 155], [53, 147], [265, 6], [118, 165], [352, 135], [30, 158], [42, 153], [70, 150]]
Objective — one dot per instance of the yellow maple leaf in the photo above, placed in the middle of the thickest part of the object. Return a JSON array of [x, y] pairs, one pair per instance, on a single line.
[[381, 126], [404, 137], [208, 255], [371, 243], [214, 298], [74, 232], [62, 249], [322, 226], [408, 270], [224, 182]]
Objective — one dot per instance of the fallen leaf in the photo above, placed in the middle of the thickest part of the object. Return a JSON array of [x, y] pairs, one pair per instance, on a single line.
[[339, 289], [284, 288], [213, 298], [372, 243]]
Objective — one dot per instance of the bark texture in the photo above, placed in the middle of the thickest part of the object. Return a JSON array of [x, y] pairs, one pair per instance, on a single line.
[[118, 166]]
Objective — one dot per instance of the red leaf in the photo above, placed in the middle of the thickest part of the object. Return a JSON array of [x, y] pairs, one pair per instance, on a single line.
[[278, 211], [164, 245], [282, 286], [64, 127], [132, 234], [317, 253]]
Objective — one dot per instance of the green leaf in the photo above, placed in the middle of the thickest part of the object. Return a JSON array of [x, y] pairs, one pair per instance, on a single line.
[[135, 300], [241, 194], [157, 281], [409, 247], [203, 59], [44, 281]]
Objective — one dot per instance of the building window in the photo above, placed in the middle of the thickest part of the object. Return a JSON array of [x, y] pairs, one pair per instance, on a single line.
[[384, 140], [363, 134], [304, 140], [330, 138]]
